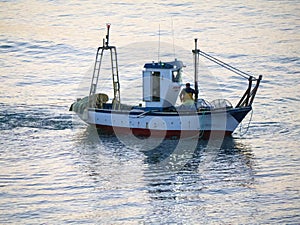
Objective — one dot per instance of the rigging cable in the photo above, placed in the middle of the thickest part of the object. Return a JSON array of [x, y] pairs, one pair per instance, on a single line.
[[247, 128], [225, 65]]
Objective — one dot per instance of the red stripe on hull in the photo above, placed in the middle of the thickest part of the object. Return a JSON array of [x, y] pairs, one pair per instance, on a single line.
[[139, 132]]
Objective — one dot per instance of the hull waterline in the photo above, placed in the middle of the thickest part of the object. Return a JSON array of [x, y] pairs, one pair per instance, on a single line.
[[204, 125]]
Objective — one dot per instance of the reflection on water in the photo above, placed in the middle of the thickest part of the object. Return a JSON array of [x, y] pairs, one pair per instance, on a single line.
[[149, 180]]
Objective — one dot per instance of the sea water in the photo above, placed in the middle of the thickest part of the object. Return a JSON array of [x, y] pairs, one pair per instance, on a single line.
[[54, 169]]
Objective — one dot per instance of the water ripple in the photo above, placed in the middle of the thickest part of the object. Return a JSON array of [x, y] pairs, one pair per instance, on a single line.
[[33, 118]]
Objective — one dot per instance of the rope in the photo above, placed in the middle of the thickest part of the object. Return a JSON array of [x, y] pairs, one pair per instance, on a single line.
[[225, 65], [241, 125]]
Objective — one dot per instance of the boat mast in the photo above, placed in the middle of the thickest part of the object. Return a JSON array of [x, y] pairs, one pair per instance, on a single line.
[[196, 64]]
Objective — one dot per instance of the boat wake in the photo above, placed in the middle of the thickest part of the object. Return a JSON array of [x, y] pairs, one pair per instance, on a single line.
[[33, 117]]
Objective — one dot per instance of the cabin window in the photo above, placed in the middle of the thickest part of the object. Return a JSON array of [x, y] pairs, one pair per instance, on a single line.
[[176, 76], [155, 77]]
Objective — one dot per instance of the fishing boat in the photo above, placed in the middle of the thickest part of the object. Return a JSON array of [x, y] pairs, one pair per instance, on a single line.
[[160, 115]]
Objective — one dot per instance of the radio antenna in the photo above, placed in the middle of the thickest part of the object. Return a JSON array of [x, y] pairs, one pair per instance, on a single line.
[[158, 42], [173, 38]]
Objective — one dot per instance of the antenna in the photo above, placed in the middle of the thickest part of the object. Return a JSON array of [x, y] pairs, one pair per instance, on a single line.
[[173, 38], [107, 35], [158, 43]]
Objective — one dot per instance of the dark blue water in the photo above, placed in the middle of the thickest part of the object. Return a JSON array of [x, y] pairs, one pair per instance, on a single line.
[[55, 169]]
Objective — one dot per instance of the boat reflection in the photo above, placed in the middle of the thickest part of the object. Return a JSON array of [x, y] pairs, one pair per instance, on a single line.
[[171, 180], [174, 156]]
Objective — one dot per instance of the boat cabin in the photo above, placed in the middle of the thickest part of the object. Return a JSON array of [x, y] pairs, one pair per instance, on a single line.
[[161, 83]]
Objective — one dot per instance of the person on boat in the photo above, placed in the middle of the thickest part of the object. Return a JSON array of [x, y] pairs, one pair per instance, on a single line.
[[186, 95]]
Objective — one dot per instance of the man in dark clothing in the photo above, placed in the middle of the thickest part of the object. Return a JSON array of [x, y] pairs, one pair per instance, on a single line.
[[186, 95]]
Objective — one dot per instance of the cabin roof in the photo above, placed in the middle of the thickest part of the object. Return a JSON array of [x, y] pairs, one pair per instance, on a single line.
[[159, 65], [164, 65]]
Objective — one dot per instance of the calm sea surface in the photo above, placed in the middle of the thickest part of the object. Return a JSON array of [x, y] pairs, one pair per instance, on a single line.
[[54, 169]]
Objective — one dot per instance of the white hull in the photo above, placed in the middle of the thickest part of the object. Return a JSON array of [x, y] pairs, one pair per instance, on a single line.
[[168, 124]]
